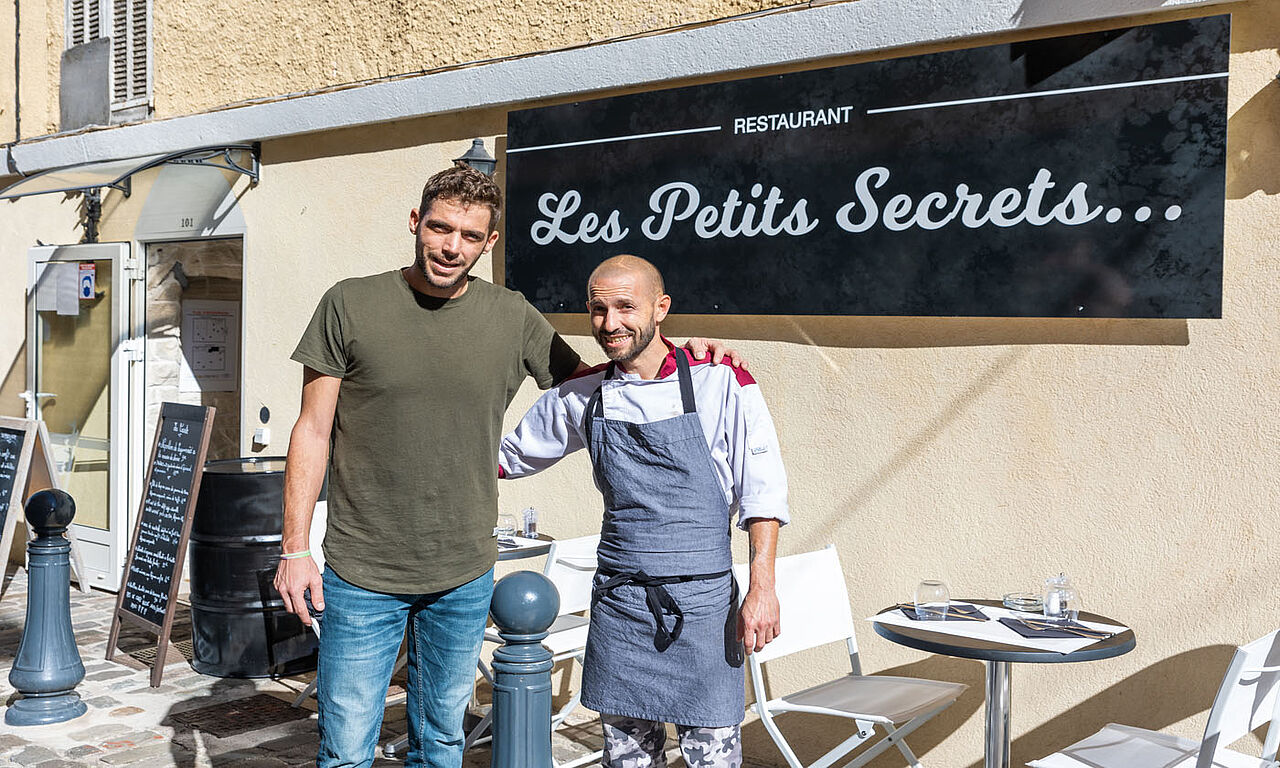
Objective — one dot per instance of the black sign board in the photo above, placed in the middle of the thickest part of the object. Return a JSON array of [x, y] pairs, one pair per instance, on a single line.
[[17, 438], [26, 466], [159, 546], [1066, 177]]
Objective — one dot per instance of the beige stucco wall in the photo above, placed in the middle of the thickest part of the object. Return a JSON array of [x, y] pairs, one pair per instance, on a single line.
[[39, 56], [290, 47], [50, 219]]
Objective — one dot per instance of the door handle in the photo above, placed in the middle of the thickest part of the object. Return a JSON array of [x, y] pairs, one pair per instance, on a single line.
[[29, 396]]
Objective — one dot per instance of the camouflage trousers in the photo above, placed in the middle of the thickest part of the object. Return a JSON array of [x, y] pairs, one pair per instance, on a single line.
[[633, 743]]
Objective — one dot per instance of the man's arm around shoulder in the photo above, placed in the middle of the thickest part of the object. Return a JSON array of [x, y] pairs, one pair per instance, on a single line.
[[303, 478]]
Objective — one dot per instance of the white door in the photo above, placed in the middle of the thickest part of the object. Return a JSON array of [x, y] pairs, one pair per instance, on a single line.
[[84, 369]]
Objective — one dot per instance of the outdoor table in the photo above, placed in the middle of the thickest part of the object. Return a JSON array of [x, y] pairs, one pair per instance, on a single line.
[[933, 637], [531, 546]]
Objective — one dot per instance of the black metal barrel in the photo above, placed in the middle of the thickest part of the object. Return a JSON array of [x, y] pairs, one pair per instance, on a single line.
[[238, 622]]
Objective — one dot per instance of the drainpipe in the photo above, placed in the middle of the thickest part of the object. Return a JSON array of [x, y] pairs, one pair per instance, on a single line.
[[17, 70]]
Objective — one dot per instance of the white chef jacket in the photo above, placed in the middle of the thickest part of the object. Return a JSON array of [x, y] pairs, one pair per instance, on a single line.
[[734, 417]]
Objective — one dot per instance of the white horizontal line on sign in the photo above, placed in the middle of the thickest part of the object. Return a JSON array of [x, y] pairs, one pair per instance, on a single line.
[[614, 138], [1038, 94]]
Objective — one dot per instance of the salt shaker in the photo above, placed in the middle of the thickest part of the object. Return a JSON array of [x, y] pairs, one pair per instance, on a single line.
[[1057, 594], [529, 519]]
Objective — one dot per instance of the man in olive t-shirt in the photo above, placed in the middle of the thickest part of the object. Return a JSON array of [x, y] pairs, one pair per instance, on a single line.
[[407, 375], [425, 383]]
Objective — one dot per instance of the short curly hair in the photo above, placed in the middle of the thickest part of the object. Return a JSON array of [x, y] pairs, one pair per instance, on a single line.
[[465, 185]]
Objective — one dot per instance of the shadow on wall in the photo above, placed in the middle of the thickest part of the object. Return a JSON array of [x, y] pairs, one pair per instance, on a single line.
[[14, 381], [1253, 144], [928, 435], [406, 134], [910, 332], [1196, 673]]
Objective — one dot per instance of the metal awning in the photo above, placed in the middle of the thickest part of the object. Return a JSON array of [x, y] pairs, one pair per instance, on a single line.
[[241, 158]]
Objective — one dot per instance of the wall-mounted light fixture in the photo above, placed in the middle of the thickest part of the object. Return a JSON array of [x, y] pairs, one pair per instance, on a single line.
[[479, 158]]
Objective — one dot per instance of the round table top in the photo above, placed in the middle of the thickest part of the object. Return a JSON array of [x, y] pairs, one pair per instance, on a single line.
[[532, 550], [972, 648]]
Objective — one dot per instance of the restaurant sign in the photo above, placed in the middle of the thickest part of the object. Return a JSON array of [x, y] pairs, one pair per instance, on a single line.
[[1078, 176]]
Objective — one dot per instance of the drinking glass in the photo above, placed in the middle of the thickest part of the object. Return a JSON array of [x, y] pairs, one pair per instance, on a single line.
[[1071, 603], [932, 600], [506, 527]]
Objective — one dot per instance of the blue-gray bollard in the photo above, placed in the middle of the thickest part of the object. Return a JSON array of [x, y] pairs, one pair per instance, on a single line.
[[524, 605], [47, 667]]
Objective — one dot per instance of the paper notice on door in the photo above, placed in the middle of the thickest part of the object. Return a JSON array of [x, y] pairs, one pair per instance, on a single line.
[[67, 282], [210, 346], [46, 287]]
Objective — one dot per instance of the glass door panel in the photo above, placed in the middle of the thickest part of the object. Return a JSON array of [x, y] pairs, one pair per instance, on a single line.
[[73, 377], [77, 368]]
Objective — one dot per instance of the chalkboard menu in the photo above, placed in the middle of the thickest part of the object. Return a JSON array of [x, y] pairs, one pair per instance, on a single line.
[[164, 521], [15, 456], [11, 441], [26, 466]]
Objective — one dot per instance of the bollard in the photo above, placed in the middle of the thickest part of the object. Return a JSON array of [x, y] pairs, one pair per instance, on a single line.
[[524, 605], [47, 667]]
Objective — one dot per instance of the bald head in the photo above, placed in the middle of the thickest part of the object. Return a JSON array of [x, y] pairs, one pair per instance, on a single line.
[[648, 280], [626, 303]]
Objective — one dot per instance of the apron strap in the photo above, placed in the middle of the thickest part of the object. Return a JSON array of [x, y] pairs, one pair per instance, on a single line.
[[595, 407], [686, 381], [659, 600]]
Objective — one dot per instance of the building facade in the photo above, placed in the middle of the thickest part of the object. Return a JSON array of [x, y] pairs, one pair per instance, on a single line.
[[1136, 454]]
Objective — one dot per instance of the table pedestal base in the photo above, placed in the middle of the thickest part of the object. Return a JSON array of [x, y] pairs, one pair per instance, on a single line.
[[998, 693]]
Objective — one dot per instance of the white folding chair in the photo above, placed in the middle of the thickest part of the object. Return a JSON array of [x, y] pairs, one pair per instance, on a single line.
[[815, 612], [571, 566], [1246, 701]]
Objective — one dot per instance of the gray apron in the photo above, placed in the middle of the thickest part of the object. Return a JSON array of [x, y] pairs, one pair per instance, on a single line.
[[663, 640]]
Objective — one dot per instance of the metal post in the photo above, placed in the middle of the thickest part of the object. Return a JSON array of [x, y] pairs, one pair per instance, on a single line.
[[47, 667], [524, 605], [92, 214], [998, 735]]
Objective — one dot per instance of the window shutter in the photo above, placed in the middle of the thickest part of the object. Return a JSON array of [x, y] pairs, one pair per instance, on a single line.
[[140, 51], [119, 51], [130, 51], [84, 21], [94, 25]]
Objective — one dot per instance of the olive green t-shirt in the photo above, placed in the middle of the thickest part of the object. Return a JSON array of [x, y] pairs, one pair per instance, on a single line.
[[413, 454]]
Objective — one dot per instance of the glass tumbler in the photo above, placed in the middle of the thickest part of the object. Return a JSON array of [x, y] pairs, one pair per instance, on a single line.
[[932, 600]]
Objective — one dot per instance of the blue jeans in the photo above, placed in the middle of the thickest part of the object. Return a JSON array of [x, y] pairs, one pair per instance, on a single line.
[[360, 635]]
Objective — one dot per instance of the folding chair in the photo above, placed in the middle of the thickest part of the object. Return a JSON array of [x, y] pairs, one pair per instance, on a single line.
[[571, 566], [1247, 700], [815, 612]]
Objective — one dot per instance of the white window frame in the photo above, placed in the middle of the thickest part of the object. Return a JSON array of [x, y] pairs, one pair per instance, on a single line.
[[106, 28]]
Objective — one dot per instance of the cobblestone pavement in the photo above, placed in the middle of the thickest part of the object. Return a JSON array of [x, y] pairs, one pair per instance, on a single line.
[[130, 723]]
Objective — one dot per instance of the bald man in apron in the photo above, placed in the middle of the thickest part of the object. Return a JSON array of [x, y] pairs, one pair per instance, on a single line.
[[677, 446]]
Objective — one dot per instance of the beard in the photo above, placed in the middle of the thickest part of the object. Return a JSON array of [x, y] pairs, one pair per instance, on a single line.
[[626, 354], [420, 264]]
